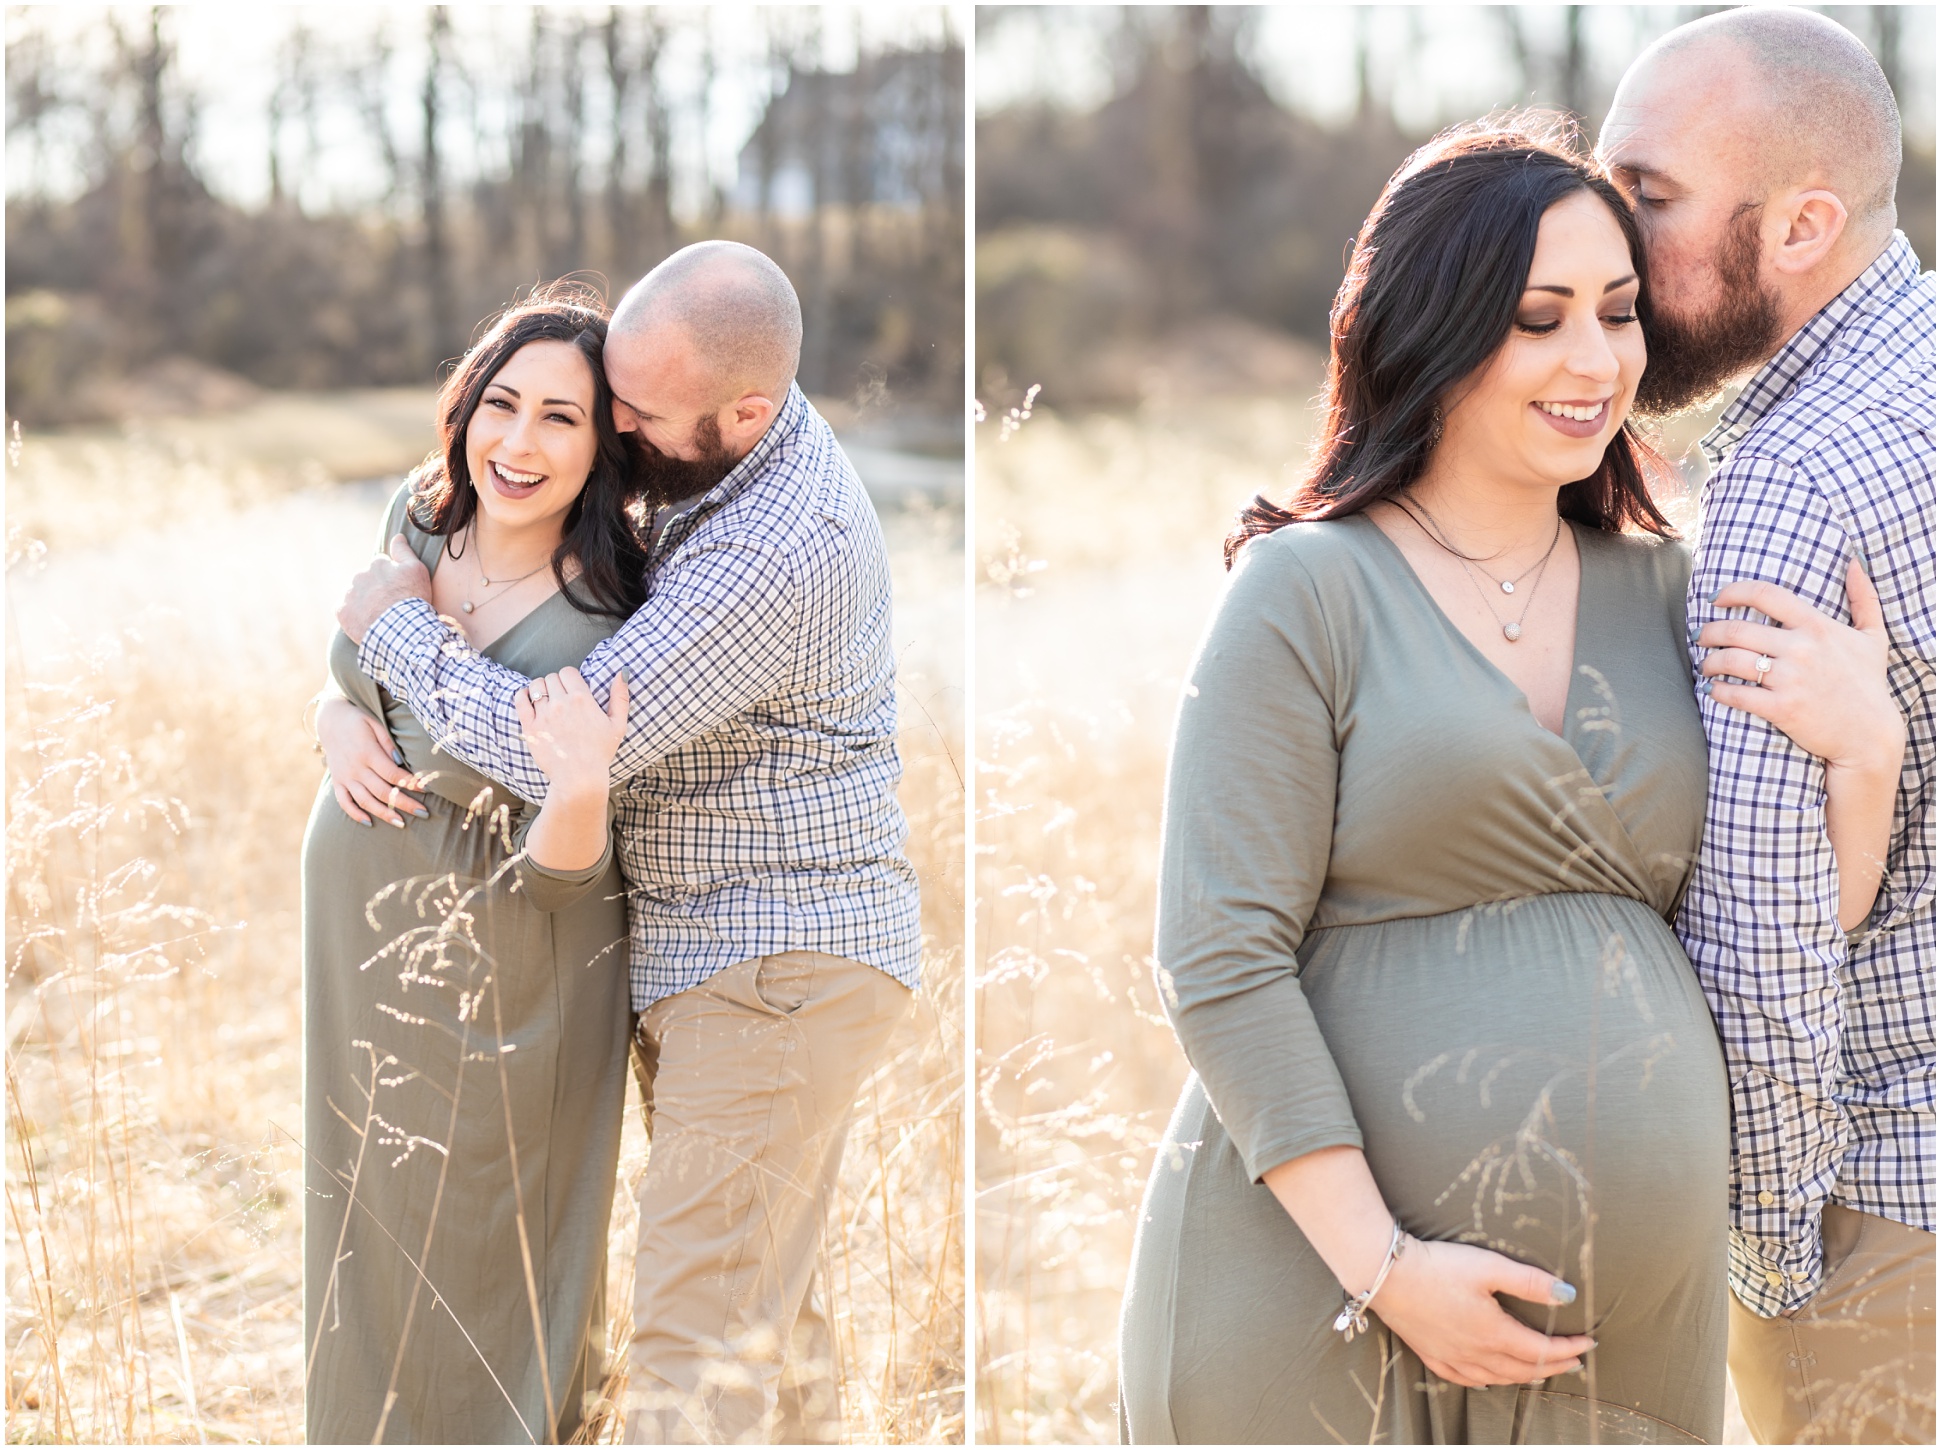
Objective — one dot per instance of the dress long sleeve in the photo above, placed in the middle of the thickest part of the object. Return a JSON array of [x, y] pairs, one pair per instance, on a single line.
[[1249, 823]]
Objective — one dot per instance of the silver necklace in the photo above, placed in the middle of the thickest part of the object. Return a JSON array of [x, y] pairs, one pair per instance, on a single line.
[[1512, 631], [478, 557], [1508, 586]]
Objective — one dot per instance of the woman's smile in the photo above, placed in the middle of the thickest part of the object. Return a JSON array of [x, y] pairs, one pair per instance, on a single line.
[[1576, 419], [512, 482]]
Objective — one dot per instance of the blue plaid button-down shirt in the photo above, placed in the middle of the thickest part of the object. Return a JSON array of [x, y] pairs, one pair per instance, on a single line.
[[1827, 455], [755, 790]]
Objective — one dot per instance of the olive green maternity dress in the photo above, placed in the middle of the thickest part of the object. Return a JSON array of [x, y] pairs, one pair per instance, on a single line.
[[1396, 912], [461, 1006]]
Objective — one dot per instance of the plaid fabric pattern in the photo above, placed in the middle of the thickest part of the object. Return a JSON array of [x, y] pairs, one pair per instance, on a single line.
[[1827, 455], [755, 790]]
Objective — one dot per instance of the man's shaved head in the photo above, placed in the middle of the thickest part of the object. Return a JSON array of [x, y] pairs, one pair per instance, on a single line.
[[1813, 93], [736, 308], [1761, 147]]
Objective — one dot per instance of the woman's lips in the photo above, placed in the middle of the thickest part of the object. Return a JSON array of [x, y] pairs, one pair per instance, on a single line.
[[1571, 427], [508, 488]]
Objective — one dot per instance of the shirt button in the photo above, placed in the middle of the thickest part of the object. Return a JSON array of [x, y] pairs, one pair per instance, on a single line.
[[1765, 1198], [1775, 1278]]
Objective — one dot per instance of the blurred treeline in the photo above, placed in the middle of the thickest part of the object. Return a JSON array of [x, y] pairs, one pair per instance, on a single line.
[[1187, 236], [502, 146]]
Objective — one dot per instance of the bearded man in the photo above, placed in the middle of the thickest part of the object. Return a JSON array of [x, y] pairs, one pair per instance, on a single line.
[[1761, 148]]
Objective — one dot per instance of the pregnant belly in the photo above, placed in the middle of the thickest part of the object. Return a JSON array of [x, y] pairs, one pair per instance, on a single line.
[[1539, 1077]]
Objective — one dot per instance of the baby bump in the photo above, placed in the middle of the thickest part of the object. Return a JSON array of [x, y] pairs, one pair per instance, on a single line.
[[1543, 1078]]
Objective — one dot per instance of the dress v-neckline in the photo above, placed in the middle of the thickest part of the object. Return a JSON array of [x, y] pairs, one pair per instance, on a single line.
[[1566, 735], [490, 649]]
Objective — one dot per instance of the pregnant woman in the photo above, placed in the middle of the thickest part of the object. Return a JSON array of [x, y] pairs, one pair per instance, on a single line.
[[1436, 788], [465, 975]]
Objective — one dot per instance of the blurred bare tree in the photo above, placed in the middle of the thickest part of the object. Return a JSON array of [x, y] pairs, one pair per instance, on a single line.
[[1193, 215], [494, 166]]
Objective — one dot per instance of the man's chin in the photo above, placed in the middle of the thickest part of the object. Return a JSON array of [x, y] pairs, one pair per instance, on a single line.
[[1663, 404], [669, 480], [1689, 368]]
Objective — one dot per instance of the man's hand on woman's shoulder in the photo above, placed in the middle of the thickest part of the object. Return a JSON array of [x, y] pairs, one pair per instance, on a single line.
[[387, 580]]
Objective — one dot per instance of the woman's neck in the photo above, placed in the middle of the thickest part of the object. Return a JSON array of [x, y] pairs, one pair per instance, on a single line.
[[1484, 519], [512, 551]]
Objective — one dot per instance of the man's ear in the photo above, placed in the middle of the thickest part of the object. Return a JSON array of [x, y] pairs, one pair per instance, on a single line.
[[1815, 222], [752, 413]]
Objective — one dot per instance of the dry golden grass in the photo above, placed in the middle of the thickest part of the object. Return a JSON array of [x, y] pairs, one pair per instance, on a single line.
[[1098, 550], [156, 803], [1077, 1069]]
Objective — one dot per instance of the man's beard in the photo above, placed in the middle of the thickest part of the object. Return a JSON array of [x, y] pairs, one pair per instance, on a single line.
[[669, 480], [1689, 360]]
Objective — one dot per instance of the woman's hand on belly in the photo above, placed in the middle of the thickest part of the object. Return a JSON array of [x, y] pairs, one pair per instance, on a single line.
[[366, 772], [1439, 1297]]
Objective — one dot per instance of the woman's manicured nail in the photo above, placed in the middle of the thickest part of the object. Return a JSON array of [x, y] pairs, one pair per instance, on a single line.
[[1706, 688], [397, 756], [1562, 1293], [1693, 633], [1713, 597], [421, 813]]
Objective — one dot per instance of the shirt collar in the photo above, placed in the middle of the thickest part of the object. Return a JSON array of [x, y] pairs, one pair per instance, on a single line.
[[787, 422], [786, 425], [1892, 270]]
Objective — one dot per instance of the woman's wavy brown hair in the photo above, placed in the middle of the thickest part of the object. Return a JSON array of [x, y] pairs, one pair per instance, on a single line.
[[1432, 291], [604, 531]]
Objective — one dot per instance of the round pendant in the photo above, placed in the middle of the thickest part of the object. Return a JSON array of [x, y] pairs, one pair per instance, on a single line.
[[466, 606], [1509, 586], [1513, 632]]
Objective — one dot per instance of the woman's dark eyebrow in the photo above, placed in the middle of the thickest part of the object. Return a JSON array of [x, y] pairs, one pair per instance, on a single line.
[[1572, 292], [544, 403]]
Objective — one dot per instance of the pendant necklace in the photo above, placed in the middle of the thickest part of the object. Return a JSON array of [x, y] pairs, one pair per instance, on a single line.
[[1512, 629], [487, 583], [1508, 586]]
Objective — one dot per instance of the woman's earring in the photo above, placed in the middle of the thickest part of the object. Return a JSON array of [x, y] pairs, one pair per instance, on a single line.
[[1435, 425]]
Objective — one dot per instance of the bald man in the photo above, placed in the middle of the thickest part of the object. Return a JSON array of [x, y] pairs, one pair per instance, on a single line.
[[1761, 147], [773, 916]]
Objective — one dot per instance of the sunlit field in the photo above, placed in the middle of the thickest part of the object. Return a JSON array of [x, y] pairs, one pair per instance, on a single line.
[[1098, 554], [169, 602]]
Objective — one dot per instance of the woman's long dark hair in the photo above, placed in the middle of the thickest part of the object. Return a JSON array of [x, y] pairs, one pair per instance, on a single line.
[[604, 528], [1438, 272]]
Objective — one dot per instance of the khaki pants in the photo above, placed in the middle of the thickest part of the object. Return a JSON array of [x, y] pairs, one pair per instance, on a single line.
[[1854, 1365], [748, 1079]]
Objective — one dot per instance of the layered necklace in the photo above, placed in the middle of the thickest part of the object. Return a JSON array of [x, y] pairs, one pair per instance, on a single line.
[[1512, 629], [486, 583]]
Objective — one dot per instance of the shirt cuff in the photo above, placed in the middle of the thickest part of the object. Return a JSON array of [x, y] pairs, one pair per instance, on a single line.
[[1772, 1278], [410, 628]]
